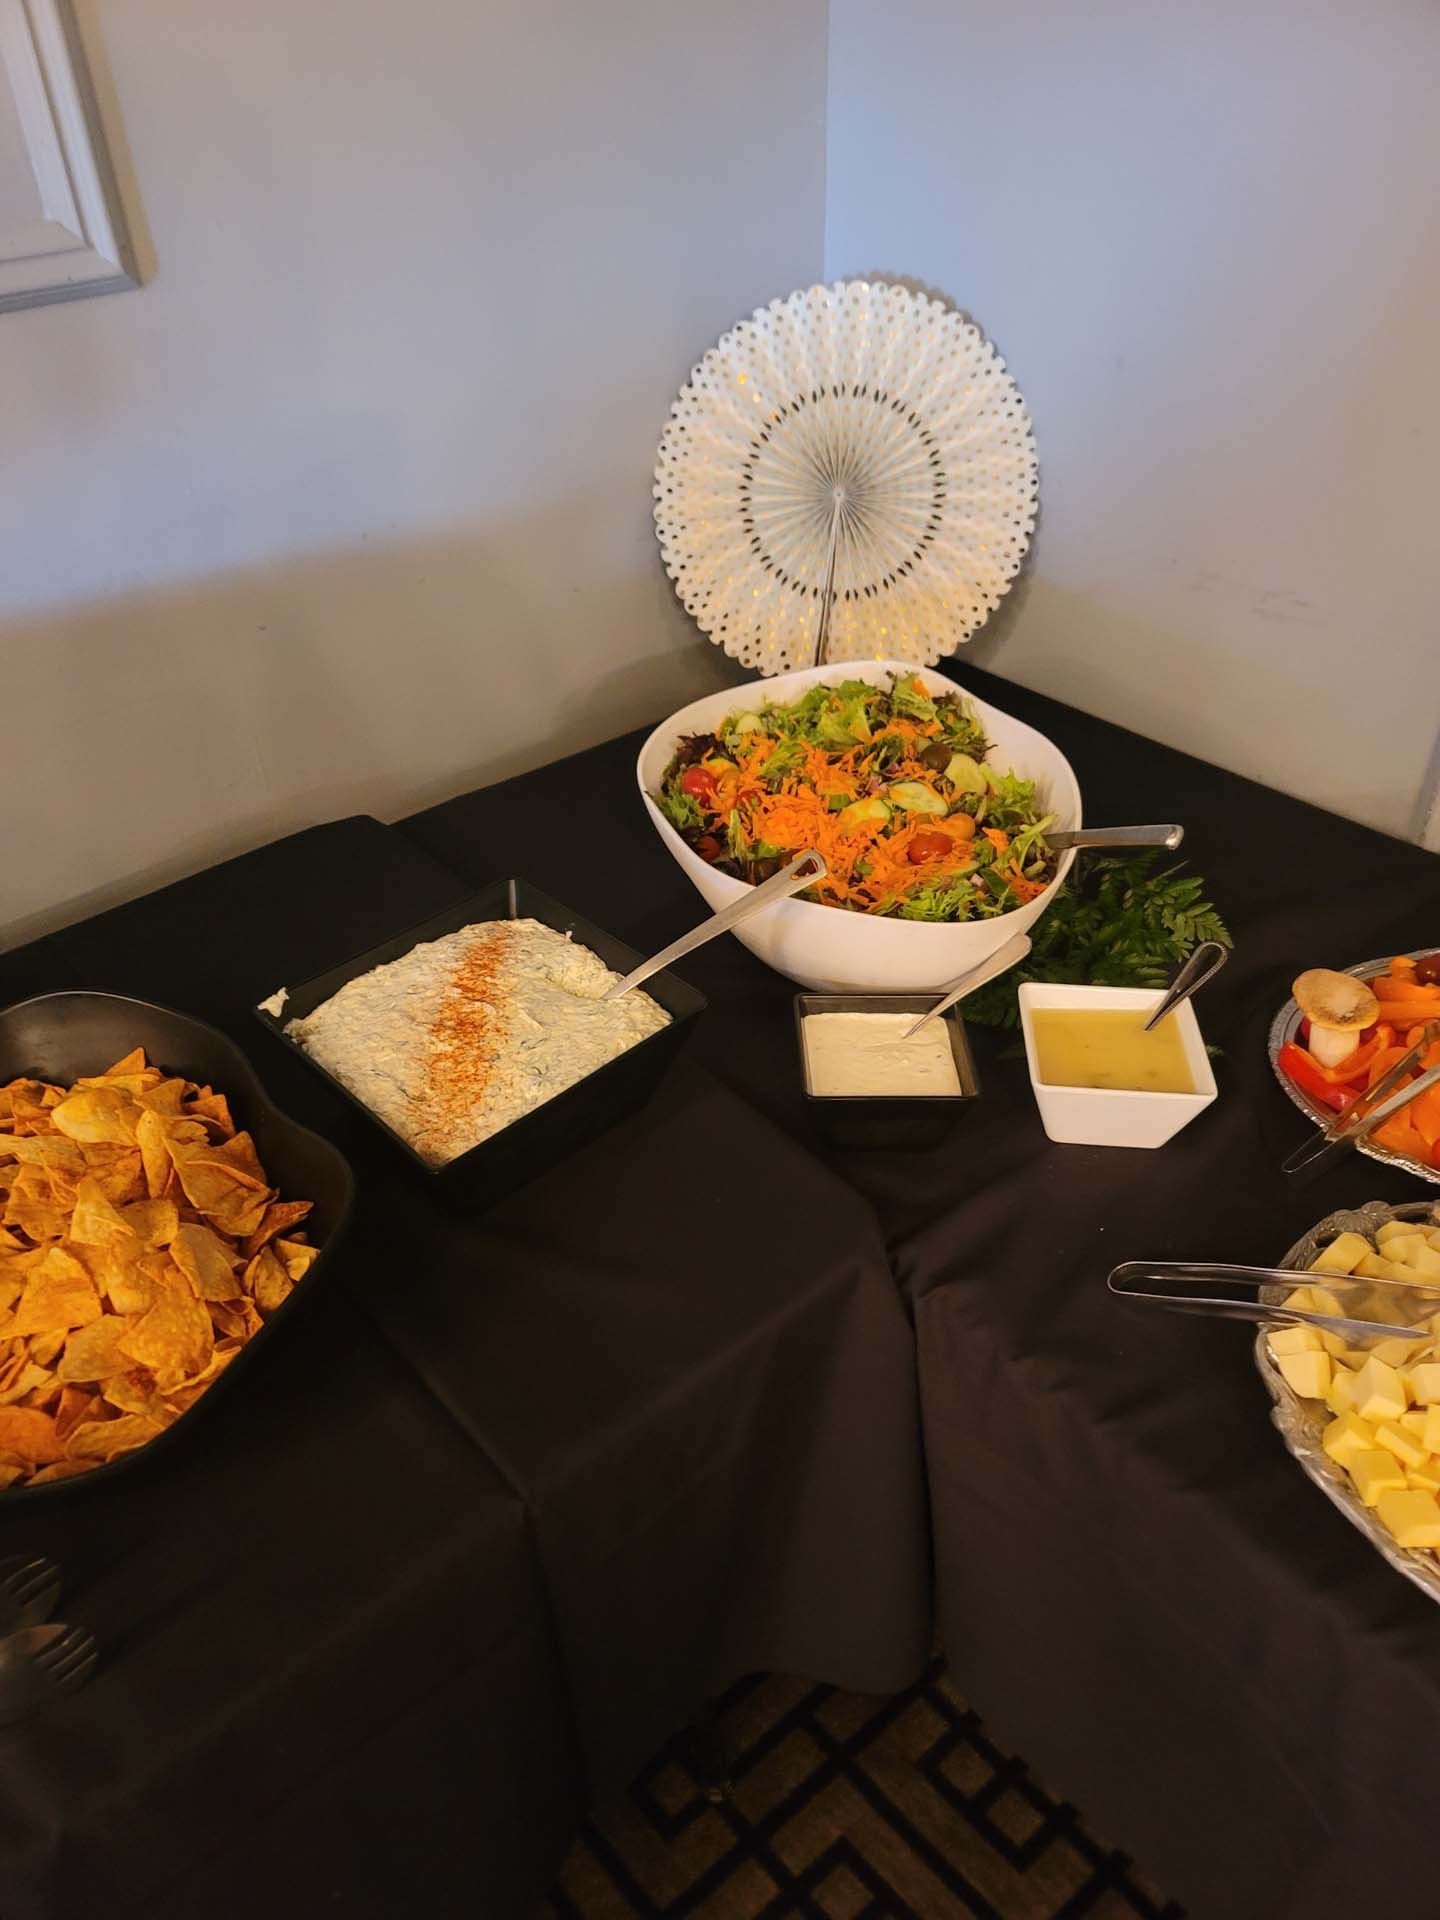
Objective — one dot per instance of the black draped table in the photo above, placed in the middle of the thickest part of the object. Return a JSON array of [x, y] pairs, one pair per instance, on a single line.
[[1135, 1583], [514, 1496]]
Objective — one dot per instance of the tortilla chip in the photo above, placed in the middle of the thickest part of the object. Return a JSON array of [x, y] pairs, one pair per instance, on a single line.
[[49, 1150], [93, 1352], [278, 1216], [214, 1109], [207, 1262], [132, 1062], [134, 1392], [60, 1470], [103, 1439], [98, 1113], [296, 1257], [32, 1376], [266, 1281], [118, 1170], [165, 1097], [11, 1472], [96, 1222], [153, 1222], [76, 1405], [59, 1294], [45, 1347], [154, 1133], [235, 1319], [223, 1190], [31, 1434], [174, 1338], [40, 1218]]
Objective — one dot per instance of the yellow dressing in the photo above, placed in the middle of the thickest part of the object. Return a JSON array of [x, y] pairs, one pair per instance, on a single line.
[[1105, 1047]]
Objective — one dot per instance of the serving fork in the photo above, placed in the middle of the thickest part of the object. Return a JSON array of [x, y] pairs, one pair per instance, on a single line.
[[39, 1664], [29, 1591]]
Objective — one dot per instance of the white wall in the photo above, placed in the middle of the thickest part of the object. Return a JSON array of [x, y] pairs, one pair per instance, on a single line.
[[349, 506], [1205, 241]]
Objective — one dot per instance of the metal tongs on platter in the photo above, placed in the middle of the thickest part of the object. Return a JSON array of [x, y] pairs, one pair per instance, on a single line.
[[1369, 1107], [1194, 1286]]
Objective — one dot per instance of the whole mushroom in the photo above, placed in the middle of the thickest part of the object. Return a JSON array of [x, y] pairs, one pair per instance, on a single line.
[[1339, 1008]]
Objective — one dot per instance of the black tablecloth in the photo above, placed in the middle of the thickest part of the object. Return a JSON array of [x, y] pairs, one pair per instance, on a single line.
[[1135, 1583], [523, 1489]]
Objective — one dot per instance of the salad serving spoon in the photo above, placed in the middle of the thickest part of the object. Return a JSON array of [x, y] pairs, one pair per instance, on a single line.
[[1168, 836], [803, 871]]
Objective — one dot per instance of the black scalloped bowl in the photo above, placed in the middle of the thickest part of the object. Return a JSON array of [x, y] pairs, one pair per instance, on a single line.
[[60, 1036]]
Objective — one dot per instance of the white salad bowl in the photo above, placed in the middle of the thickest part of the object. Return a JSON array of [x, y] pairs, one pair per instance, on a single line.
[[828, 948]]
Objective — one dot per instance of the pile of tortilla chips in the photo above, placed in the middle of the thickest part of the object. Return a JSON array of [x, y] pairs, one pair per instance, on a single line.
[[141, 1246]]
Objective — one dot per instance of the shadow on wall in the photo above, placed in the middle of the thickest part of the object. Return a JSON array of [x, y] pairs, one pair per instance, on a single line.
[[175, 728]]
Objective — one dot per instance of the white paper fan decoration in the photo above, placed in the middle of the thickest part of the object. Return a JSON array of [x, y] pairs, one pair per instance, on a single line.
[[861, 422]]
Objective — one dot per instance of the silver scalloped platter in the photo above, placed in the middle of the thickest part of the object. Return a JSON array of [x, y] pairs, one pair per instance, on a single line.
[[1283, 1029], [1302, 1422]]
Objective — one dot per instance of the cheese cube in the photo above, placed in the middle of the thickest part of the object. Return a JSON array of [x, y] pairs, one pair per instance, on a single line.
[[1396, 1353], [1406, 1447], [1295, 1340], [1378, 1392], [1424, 1382], [1401, 1246], [1341, 1395], [1307, 1374], [1342, 1255], [1375, 1267], [1424, 1259], [1375, 1473], [1302, 1298], [1426, 1476], [1414, 1421], [1431, 1435], [1353, 1357], [1412, 1516], [1346, 1437], [1396, 1230], [1432, 1234]]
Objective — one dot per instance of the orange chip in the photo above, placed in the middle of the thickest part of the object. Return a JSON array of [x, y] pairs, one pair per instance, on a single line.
[[103, 1439], [31, 1378], [214, 1109], [134, 1392], [174, 1338], [31, 1434], [166, 1097], [207, 1262], [154, 1133], [297, 1257], [59, 1294], [49, 1150], [235, 1319], [92, 1352], [75, 1405], [96, 1222], [278, 1217], [133, 1062], [266, 1281], [118, 1169], [45, 1347], [98, 1113], [153, 1222]]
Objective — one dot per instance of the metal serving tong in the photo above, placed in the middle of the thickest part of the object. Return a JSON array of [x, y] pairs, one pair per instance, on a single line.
[[1172, 1284], [1368, 1108], [1168, 836], [803, 871]]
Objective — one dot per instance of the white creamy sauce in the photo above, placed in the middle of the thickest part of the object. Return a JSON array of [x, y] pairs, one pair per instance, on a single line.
[[867, 1053], [460, 1036]]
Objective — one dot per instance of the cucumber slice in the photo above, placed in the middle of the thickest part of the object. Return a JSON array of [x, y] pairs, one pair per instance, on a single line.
[[860, 813], [746, 723], [916, 798], [966, 775]]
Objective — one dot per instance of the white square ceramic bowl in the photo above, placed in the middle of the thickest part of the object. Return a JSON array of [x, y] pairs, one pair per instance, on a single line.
[[826, 948], [1101, 1116]]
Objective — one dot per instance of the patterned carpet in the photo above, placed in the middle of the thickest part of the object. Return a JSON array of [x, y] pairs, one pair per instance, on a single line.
[[844, 1807]]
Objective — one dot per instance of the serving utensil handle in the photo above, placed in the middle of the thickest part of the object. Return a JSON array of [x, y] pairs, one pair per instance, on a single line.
[[1001, 961], [1204, 963], [1188, 1286], [803, 871], [1168, 837]]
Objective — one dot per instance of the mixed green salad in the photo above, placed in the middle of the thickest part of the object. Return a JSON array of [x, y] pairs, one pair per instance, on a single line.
[[892, 784]]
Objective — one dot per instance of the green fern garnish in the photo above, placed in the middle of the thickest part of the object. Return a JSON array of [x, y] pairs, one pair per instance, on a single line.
[[1119, 924]]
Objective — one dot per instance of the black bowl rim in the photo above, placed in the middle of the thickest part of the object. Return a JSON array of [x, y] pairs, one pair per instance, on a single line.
[[275, 1024], [259, 1097]]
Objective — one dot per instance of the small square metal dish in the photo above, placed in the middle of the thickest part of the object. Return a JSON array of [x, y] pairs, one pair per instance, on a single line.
[[901, 1122], [568, 1120]]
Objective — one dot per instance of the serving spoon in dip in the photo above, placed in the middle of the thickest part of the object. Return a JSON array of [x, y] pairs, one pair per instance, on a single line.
[[1001, 961], [1204, 963], [803, 871]]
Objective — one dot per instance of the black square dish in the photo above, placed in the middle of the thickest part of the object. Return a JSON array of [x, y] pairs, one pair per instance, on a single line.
[[538, 1139], [60, 1037], [895, 1121]]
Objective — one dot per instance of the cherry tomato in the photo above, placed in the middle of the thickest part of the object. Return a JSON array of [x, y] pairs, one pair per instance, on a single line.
[[698, 782], [929, 846], [1427, 971], [707, 846]]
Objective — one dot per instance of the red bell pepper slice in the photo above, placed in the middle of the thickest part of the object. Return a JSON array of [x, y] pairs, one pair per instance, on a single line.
[[1310, 1077]]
